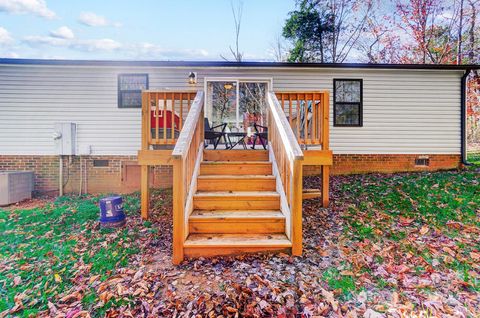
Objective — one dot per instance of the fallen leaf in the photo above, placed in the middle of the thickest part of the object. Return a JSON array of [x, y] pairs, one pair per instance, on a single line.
[[93, 279], [16, 308], [347, 273], [330, 298], [475, 255], [394, 298], [75, 296], [52, 308], [82, 313], [105, 296], [454, 224], [370, 313], [449, 251], [58, 278], [231, 309], [405, 221], [424, 230], [17, 280]]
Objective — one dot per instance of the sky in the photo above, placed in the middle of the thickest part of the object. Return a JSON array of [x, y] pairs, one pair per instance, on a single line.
[[138, 30]]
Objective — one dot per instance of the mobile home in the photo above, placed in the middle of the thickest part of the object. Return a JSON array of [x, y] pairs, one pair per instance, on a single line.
[[118, 126]]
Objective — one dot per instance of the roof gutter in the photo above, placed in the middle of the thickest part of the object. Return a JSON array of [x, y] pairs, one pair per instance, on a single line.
[[463, 117], [246, 64]]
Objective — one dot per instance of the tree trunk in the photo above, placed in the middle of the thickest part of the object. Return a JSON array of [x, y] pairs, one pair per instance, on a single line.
[[471, 53], [322, 60], [460, 31]]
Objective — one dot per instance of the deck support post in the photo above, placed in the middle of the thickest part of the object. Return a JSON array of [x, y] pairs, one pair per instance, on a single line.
[[178, 211], [145, 193], [325, 185], [297, 223], [326, 146]]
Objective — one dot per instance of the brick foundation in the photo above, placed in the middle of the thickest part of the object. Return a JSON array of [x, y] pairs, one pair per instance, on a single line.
[[122, 174], [356, 163]]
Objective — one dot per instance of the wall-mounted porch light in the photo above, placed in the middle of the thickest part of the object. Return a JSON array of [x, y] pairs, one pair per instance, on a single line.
[[228, 86], [192, 78]]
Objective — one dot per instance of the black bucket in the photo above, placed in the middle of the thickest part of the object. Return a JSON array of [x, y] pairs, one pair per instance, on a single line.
[[111, 212]]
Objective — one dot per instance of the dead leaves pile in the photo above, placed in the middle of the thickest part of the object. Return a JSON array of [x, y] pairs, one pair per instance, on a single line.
[[423, 272]]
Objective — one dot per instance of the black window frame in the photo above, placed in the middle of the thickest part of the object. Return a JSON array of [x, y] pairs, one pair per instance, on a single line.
[[335, 102], [120, 91]]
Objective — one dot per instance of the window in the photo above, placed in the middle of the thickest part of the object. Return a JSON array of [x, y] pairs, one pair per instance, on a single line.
[[130, 88], [239, 102], [347, 102]]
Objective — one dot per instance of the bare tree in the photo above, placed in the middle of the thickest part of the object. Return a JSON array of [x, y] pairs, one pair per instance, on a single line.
[[460, 34], [326, 30], [379, 42], [350, 19], [237, 12], [279, 49], [471, 32], [433, 28]]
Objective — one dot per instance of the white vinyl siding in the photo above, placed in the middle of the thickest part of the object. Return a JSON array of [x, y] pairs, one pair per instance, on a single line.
[[404, 111]]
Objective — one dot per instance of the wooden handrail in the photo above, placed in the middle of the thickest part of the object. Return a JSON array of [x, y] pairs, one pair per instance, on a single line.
[[186, 135], [287, 158], [290, 141], [186, 156]]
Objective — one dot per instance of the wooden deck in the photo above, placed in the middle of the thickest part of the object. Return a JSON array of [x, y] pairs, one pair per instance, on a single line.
[[236, 201]]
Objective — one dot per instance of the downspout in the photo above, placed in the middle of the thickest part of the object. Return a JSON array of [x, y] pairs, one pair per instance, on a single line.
[[463, 115]]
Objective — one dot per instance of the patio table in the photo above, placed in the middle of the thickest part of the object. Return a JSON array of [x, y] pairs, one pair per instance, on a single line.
[[241, 139]]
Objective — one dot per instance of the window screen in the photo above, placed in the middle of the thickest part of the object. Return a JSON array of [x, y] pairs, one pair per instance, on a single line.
[[130, 88], [347, 102]]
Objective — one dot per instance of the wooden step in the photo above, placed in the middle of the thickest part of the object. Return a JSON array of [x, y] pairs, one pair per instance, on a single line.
[[234, 221], [205, 245], [236, 183], [238, 200], [235, 155], [235, 168]]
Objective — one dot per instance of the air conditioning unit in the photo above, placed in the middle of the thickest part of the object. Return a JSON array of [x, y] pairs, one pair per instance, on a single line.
[[15, 186]]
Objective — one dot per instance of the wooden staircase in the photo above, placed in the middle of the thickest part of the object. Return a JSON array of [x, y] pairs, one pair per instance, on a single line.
[[236, 207], [235, 201]]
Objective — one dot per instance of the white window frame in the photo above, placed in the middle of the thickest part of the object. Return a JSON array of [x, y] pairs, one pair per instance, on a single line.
[[237, 80]]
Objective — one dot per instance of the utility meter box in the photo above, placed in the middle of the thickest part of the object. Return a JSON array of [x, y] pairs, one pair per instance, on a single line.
[[65, 138]]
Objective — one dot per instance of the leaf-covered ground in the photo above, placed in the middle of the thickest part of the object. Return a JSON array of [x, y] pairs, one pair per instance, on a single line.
[[474, 158], [389, 245]]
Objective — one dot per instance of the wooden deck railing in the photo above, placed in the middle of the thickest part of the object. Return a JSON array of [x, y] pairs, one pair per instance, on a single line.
[[287, 160], [307, 114], [163, 114], [187, 156]]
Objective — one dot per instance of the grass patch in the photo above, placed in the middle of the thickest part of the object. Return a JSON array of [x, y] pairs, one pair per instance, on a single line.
[[44, 252], [394, 209], [474, 158], [427, 198], [337, 281]]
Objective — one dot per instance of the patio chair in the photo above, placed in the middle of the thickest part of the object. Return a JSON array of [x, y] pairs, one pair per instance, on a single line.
[[213, 136], [261, 133], [165, 125]]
